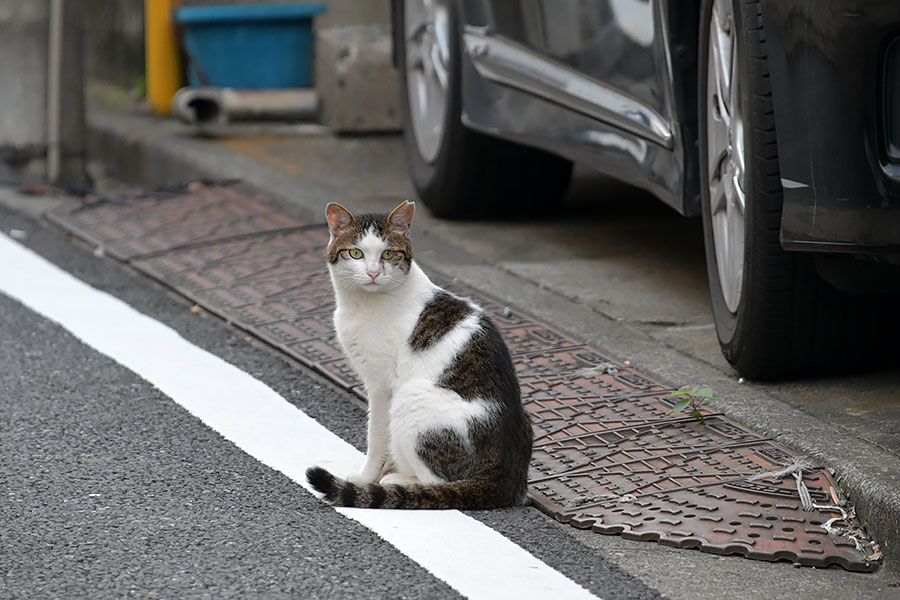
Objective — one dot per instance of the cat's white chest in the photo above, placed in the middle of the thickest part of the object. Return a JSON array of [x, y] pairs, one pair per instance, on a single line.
[[374, 329], [372, 339]]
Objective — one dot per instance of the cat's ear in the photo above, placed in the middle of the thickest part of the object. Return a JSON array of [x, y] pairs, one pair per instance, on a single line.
[[400, 219], [338, 217]]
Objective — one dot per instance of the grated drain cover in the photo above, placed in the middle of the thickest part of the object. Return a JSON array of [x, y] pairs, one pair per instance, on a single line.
[[608, 455]]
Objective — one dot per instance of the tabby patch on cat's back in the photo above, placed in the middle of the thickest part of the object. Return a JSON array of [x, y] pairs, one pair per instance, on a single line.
[[446, 426]]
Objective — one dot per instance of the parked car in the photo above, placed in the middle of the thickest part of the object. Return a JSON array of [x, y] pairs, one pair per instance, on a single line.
[[775, 121]]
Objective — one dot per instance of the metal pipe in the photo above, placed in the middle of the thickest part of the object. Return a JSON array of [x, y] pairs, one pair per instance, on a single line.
[[219, 106], [54, 87], [162, 64]]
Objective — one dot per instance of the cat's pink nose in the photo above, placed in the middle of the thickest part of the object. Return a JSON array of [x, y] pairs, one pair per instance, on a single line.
[[373, 276]]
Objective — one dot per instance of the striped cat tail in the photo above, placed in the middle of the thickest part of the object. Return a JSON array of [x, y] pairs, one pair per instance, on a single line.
[[463, 494]]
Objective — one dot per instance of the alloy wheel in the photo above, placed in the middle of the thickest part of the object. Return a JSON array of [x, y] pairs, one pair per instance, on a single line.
[[427, 45], [725, 139]]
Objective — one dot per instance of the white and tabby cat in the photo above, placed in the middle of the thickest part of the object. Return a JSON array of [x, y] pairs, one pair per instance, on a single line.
[[446, 423]]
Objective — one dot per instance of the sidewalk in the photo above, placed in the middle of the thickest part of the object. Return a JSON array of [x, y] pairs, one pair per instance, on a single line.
[[308, 168]]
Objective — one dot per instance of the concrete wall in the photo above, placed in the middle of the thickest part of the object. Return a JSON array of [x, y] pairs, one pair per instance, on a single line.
[[23, 46], [23, 88], [114, 30], [113, 40]]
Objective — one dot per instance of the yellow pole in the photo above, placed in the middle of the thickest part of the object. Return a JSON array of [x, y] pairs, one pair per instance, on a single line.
[[161, 56]]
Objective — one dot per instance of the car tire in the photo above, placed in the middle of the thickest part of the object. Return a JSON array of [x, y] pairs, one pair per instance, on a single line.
[[457, 172], [774, 316]]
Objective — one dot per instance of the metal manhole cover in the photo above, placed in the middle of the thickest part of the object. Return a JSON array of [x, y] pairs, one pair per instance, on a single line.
[[608, 455]]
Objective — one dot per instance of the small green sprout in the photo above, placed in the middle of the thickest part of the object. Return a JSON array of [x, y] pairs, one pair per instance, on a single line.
[[693, 398]]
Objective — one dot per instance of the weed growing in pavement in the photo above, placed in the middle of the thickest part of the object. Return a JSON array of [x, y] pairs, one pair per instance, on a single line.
[[693, 398]]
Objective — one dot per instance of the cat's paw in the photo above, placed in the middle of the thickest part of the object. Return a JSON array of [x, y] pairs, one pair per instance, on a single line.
[[398, 479], [362, 477]]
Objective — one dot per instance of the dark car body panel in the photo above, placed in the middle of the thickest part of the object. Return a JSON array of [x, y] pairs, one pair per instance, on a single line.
[[620, 111], [827, 62], [629, 90], [613, 84], [591, 38]]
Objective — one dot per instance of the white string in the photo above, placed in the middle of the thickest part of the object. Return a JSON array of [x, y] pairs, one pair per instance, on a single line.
[[794, 468], [857, 536], [805, 498]]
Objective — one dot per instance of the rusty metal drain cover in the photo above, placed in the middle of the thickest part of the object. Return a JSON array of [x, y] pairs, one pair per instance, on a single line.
[[144, 223], [608, 454], [276, 286]]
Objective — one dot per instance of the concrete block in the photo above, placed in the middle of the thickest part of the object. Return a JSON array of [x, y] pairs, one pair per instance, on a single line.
[[357, 84]]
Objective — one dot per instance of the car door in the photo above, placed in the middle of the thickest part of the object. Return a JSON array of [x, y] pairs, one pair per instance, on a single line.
[[618, 45]]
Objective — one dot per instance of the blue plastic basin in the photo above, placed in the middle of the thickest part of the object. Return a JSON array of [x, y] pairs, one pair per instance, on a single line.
[[249, 45]]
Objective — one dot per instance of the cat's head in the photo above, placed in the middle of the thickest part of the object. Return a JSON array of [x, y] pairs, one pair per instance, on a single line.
[[369, 252]]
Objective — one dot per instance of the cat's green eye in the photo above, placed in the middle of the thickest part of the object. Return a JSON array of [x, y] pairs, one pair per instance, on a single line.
[[355, 253], [387, 254]]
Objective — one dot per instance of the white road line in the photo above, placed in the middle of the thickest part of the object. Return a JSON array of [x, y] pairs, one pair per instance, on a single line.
[[472, 558]]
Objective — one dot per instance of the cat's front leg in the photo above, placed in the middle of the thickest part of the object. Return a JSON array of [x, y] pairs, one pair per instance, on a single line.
[[377, 447]]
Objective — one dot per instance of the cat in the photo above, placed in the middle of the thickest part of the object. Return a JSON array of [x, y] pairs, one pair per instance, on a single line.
[[446, 426]]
